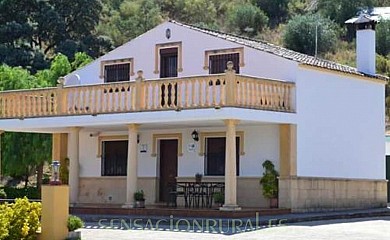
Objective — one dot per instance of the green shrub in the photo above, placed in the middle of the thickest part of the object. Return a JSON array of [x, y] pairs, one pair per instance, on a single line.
[[219, 197], [2, 194], [300, 34], [19, 220], [269, 181], [64, 171], [5, 216], [74, 223], [29, 192], [139, 195], [248, 19]]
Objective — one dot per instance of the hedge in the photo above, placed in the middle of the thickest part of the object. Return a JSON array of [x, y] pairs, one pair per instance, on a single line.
[[29, 192], [19, 220]]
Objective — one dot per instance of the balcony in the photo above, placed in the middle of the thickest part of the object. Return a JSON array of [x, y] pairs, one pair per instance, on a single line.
[[210, 91]]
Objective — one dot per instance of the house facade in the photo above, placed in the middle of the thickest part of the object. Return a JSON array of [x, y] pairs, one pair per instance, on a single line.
[[180, 100]]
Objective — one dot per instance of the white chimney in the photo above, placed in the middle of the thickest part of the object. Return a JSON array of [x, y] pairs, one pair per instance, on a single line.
[[365, 44]]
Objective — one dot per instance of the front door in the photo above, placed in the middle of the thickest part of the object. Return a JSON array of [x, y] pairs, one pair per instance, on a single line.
[[388, 177], [168, 166]]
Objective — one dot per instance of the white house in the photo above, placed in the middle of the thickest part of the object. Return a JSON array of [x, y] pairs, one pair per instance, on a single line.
[[319, 122]]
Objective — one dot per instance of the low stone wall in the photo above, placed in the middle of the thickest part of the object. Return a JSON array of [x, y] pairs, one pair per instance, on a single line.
[[305, 194], [112, 190]]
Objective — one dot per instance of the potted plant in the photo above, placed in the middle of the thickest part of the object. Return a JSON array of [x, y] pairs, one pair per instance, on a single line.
[[198, 177], [139, 198], [74, 223], [269, 182], [219, 198]]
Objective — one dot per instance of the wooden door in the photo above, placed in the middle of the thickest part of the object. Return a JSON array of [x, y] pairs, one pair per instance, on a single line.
[[168, 167]]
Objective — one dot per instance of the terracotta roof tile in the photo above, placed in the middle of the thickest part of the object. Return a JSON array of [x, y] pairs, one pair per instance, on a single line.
[[283, 52]]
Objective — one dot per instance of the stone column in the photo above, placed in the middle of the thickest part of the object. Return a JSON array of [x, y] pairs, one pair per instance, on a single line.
[[132, 162], [73, 154], [230, 168], [60, 152], [288, 165]]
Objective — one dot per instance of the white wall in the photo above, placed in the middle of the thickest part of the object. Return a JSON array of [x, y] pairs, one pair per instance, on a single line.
[[340, 126], [261, 143], [387, 145], [194, 44]]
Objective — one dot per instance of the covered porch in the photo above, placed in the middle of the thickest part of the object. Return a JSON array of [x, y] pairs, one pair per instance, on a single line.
[[158, 154]]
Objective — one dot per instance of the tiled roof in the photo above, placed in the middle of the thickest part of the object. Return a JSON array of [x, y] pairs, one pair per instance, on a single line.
[[283, 52]]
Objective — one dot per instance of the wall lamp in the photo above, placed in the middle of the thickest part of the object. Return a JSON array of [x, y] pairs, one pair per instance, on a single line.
[[195, 135]]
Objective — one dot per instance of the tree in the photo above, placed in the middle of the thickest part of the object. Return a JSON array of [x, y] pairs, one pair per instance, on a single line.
[[25, 153], [32, 31], [300, 34], [248, 19], [12, 78], [22, 153], [342, 10], [60, 66], [383, 37], [131, 20], [276, 10]]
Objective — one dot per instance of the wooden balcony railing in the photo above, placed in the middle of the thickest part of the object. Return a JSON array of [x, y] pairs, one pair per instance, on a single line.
[[211, 91]]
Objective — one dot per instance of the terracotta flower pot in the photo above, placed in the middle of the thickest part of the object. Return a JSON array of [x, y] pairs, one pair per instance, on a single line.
[[273, 202]]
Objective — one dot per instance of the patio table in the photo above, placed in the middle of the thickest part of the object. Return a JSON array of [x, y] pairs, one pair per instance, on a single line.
[[198, 194]]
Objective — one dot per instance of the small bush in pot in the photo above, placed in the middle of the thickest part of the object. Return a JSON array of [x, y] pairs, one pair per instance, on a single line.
[[219, 198], [74, 223], [270, 183], [139, 198]]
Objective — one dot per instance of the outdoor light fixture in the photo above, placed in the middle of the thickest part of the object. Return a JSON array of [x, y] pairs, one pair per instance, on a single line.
[[195, 135], [138, 137], [55, 173]]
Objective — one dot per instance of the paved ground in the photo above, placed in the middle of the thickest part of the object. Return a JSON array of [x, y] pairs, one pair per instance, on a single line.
[[375, 228]]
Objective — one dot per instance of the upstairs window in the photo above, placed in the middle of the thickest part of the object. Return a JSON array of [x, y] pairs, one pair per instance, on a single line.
[[117, 72], [216, 60], [168, 62], [217, 63], [168, 59]]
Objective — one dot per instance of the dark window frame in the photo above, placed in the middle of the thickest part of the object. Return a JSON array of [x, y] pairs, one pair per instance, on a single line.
[[206, 157], [114, 167], [169, 60], [218, 62], [121, 72]]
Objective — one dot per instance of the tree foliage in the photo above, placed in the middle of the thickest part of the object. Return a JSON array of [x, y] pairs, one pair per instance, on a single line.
[[383, 38], [342, 10], [130, 20], [276, 10], [248, 19], [20, 220], [31, 31], [300, 34], [23, 153]]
